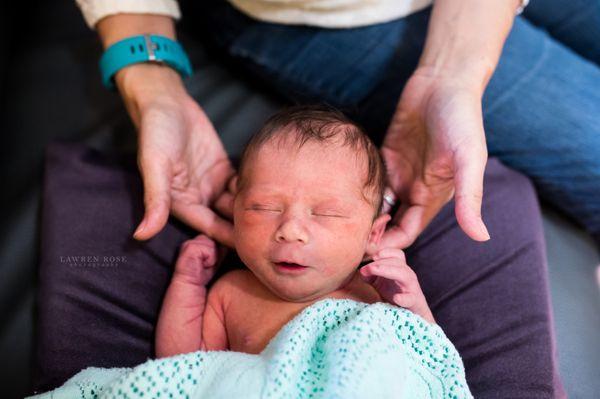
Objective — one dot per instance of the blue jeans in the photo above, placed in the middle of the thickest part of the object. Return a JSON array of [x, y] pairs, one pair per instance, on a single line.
[[541, 107]]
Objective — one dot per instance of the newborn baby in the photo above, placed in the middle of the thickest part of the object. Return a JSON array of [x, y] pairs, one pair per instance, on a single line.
[[306, 212]]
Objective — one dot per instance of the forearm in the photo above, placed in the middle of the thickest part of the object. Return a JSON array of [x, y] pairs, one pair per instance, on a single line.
[[465, 39], [119, 26], [179, 328]]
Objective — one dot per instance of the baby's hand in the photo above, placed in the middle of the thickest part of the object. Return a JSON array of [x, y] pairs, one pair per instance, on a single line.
[[197, 261], [396, 282]]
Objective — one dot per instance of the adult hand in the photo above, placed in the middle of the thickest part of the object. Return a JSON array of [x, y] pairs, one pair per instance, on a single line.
[[435, 149], [183, 163]]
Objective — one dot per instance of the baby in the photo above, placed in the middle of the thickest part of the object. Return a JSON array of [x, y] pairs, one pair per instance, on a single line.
[[306, 212]]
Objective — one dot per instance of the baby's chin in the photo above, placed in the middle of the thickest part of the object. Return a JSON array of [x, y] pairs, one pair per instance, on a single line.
[[304, 286]]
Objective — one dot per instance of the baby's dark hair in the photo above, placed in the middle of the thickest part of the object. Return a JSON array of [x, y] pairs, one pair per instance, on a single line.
[[325, 124]]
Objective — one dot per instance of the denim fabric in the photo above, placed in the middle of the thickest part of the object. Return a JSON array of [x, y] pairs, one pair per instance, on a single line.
[[541, 107], [542, 117], [575, 23]]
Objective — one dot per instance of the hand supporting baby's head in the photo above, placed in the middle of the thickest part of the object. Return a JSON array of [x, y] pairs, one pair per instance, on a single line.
[[307, 202]]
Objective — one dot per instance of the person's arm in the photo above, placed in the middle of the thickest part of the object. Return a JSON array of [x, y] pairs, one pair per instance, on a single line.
[[179, 328], [183, 164], [190, 319], [214, 332], [115, 27], [465, 39], [435, 145]]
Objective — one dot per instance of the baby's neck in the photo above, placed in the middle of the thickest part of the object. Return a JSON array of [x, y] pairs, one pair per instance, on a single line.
[[354, 287]]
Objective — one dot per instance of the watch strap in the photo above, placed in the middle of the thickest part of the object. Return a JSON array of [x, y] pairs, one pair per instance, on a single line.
[[143, 48]]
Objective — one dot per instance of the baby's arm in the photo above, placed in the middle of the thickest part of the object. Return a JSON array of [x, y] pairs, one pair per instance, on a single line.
[[191, 320], [396, 282]]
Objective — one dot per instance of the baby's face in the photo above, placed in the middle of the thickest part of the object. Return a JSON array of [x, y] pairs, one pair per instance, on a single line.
[[304, 207]]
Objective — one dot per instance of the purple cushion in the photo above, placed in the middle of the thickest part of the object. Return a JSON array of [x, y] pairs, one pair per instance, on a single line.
[[100, 291]]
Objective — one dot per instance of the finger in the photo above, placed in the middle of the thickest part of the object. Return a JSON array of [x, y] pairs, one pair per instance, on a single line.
[[413, 221], [224, 204], [204, 240], [208, 257], [469, 195], [205, 220], [198, 257], [369, 279], [405, 299], [390, 270], [201, 240], [156, 178], [204, 246], [389, 252]]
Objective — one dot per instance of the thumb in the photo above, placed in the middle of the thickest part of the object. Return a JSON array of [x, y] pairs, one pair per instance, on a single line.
[[156, 176], [469, 173], [366, 276]]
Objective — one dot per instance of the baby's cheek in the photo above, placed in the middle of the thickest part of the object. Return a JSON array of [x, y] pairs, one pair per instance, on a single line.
[[249, 226], [347, 243], [251, 239], [355, 232]]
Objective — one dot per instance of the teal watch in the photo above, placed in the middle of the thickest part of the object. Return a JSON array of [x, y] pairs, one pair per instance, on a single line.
[[143, 48]]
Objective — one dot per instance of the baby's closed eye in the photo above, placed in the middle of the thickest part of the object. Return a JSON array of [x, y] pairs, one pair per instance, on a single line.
[[274, 208], [328, 214], [260, 207]]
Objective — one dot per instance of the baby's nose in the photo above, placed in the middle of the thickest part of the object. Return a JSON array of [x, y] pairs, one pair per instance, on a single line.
[[291, 231]]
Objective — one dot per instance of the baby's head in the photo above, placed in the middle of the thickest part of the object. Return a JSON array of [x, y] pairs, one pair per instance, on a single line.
[[309, 192]]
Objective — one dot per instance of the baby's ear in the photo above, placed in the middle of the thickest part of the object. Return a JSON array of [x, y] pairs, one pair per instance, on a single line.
[[377, 230]]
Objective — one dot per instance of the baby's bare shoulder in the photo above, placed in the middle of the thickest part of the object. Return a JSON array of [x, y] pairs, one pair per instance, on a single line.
[[237, 281], [244, 288], [236, 277]]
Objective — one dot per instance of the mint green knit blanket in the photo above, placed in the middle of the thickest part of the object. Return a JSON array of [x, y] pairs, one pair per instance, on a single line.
[[336, 348]]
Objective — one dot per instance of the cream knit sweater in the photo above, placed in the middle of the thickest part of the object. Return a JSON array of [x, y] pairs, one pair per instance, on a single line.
[[324, 13]]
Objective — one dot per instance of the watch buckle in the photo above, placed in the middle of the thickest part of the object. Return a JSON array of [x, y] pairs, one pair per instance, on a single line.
[[150, 47]]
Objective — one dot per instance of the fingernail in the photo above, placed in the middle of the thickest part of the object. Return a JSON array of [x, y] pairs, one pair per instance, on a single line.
[[484, 230], [140, 228]]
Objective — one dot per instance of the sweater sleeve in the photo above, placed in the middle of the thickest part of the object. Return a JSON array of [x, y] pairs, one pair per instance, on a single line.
[[94, 10]]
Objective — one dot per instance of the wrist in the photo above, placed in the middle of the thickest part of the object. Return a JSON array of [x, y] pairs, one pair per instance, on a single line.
[[469, 81], [469, 74], [136, 80], [423, 310], [435, 82], [184, 282]]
